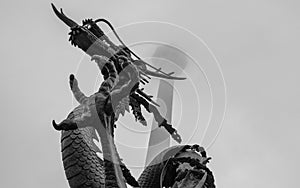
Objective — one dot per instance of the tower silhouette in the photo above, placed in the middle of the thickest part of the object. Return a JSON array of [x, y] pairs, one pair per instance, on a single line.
[[165, 56]]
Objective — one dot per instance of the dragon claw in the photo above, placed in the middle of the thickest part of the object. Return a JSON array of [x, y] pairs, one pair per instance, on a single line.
[[171, 130], [176, 137]]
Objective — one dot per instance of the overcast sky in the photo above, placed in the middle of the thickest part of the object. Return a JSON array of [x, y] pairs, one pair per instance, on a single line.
[[256, 43]]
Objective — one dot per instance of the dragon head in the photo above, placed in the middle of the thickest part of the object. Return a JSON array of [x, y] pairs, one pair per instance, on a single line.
[[92, 40], [188, 167], [88, 36], [184, 166]]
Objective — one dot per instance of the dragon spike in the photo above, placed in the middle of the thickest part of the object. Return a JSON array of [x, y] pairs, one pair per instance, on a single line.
[[157, 71], [142, 73], [160, 75], [142, 82], [147, 97], [63, 17], [56, 127], [64, 125]]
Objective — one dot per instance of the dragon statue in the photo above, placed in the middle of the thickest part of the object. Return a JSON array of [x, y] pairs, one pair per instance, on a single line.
[[120, 89]]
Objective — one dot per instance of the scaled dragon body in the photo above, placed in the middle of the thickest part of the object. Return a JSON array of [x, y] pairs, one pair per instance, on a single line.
[[96, 111]]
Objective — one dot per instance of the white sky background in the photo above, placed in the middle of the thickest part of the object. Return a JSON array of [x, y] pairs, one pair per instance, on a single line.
[[256, 42]]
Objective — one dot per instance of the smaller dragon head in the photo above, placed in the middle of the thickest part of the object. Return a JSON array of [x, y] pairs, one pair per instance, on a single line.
[[189, 169], [184, 166]]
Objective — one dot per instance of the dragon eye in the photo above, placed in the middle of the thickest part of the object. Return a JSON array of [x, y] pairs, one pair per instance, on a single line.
[[87, 26]]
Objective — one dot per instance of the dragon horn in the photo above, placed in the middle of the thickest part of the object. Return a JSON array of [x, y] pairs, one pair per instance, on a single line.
[[63, 17]]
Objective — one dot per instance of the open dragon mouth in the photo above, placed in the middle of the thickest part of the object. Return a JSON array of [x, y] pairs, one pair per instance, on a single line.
[[190, 176], [187, 169], [188, 173]]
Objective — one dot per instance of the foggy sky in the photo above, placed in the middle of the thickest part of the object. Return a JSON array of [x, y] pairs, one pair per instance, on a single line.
[[256, 43]]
